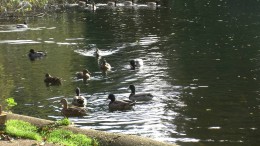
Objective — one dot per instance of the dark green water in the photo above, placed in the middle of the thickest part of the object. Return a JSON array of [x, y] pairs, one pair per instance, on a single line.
[[201, 61]]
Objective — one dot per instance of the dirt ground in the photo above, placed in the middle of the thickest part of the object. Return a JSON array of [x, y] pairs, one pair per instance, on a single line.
[[24, 142]]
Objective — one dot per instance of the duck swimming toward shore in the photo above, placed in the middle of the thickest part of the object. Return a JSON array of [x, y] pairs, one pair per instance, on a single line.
[[72, 111], [105, 66]]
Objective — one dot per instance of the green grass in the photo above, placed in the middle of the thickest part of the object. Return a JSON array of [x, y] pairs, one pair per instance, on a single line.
[[68, 138], [63, 122], [22, 129], [51, 133]]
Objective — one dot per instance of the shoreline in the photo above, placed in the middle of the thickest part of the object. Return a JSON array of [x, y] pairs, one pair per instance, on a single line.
[[104, 138]]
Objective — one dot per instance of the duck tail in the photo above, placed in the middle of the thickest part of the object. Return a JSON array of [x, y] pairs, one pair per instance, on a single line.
[[133, 103]]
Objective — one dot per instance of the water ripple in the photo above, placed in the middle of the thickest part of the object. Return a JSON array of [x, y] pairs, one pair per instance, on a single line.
[[15, 42]]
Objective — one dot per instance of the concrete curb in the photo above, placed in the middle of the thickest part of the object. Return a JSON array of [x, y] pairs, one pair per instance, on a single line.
[[104, 138]]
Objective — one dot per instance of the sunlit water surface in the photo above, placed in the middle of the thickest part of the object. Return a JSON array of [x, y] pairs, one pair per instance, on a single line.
[[203, 71]]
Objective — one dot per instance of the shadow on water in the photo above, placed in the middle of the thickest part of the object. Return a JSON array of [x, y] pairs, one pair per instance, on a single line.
[[200, 63]]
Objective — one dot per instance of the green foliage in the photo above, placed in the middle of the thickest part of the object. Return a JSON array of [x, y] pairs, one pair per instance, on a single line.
[[46, 129], [10, 103], [22, 129], [63, 122], [68, 138]]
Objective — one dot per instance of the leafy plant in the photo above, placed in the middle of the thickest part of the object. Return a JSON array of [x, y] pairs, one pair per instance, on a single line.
[[63, 122], [10, 103]]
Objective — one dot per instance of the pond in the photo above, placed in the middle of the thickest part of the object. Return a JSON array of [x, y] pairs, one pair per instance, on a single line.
[[201, 63]]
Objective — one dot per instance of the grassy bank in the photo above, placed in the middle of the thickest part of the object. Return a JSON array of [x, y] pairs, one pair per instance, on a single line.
[[49, 133]]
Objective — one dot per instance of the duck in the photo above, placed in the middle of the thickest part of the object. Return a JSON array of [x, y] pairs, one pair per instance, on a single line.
[[119, 104], [78, 100], [97, 53], [82, 3], [139, 96], [72, 111], [128, 3], [24, 25], [92, 7], [36, 54], [136, 63], [105, 66], [153, 4], [112, 3], [52, 81], [84, 74]]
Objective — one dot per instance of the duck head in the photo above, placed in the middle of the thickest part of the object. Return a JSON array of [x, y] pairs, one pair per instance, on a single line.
[[47, 75], [32, 51], [132, 64], [77, 91], [112, 97], [132, 88], [64, 102], [97, 52]]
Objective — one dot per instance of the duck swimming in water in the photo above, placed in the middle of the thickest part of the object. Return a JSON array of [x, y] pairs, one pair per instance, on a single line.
[[97, 53], [129, 3], [79, 100], [91, 7], [136, 63], [24, 25], [52, 81], [72, 111], [84, 74], [119, 104], [153, 4], [105, 66], [36, 54], [112, 3], [139, 96]]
